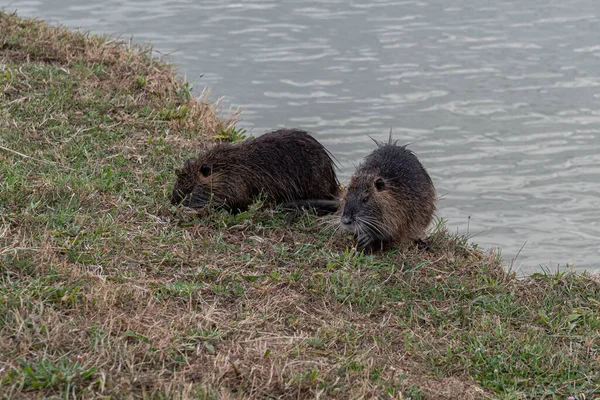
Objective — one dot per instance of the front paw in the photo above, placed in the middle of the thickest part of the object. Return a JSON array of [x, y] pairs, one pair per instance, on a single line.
[[371, 244], [364, 242]]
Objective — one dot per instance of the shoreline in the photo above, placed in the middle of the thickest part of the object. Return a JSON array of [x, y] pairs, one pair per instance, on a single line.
[[107, 290], [550, 244]]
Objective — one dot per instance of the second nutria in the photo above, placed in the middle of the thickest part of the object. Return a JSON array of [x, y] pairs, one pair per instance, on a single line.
[[390, 198], [286, 165]]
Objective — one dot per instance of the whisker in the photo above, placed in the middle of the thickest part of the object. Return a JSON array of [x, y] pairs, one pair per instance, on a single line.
[[337, 228], [330, 227], [372, 227]]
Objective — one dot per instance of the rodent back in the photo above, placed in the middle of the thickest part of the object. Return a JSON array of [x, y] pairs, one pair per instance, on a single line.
[[293, 165]]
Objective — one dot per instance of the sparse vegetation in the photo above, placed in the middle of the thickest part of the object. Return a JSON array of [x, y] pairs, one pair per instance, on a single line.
[[106, 290]]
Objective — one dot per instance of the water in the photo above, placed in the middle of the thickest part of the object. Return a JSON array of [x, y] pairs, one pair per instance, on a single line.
[[500, 100]]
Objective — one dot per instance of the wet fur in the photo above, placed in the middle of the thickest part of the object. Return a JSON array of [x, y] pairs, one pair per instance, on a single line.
[[285, 166], [390, 199]]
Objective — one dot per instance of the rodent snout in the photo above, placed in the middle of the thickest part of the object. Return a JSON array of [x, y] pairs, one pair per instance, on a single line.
[[346, 219]]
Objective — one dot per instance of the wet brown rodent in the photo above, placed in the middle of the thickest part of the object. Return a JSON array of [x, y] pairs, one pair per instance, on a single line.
[[390, 199], [286, 165]]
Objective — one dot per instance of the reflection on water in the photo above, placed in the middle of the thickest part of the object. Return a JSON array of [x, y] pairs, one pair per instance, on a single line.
[[501, 103]]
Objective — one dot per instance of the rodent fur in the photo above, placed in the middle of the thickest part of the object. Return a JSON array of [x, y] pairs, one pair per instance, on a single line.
[[285, 165]]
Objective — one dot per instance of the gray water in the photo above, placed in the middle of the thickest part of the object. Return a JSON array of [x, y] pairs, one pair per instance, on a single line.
[[500, 100]]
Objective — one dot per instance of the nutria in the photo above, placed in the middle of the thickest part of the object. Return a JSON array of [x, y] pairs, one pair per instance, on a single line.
[[390, 199], [286, 165]]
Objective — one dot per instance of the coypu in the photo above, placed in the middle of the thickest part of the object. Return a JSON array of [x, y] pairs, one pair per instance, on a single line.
[[390, 199], [286, 165]]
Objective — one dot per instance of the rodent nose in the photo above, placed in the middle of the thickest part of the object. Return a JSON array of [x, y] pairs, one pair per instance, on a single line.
[[346, 220]]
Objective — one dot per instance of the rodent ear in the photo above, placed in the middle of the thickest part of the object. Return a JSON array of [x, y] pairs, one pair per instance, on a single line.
[[379, 184], [205, 170]]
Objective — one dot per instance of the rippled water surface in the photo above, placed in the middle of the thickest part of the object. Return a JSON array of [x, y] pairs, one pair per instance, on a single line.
[[500, 100]]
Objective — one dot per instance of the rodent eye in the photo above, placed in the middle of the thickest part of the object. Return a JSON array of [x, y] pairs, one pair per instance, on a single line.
[[379, 184], [205, 170]]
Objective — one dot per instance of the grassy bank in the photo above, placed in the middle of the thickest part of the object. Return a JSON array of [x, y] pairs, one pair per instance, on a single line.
[[106, 290]]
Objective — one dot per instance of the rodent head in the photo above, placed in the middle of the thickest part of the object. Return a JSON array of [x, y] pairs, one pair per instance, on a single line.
[[216, 177], [192, 185], [362, 211]]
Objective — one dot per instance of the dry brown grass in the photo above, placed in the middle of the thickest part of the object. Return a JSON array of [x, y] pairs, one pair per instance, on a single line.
[[106, 290], [266, 340]]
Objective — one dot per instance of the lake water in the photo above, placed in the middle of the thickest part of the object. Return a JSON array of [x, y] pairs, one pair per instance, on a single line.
[[500, 100]]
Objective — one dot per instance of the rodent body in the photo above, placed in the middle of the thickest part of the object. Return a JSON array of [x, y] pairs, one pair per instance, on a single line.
[[390, 199], [285, 165]]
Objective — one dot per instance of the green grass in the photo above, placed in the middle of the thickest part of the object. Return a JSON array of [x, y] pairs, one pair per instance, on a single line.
[[106, 290]]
